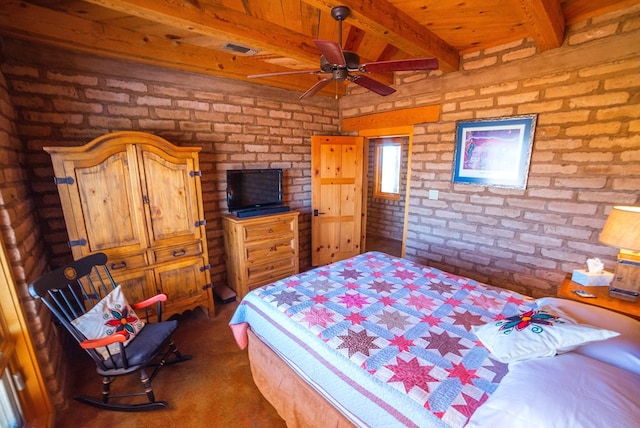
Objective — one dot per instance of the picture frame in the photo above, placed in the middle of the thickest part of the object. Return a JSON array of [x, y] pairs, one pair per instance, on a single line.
[[494, 152]]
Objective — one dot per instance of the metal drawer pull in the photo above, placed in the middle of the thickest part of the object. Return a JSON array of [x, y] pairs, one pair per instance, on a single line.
[[178, 253], [120, 265]]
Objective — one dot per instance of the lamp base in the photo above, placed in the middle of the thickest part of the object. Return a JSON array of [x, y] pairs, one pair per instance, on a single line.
[[626, 280]]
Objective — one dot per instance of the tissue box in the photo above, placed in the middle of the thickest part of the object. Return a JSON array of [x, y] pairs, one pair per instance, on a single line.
[[584, 277]]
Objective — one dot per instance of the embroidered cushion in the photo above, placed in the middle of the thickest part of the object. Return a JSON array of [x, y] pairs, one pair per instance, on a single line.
[[540, 332], [111, 315]]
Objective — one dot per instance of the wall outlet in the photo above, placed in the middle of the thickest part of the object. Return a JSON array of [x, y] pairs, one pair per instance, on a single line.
[[433, 194]]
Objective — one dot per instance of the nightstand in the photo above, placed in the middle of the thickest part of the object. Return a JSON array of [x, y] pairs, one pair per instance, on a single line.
[[602, 298]]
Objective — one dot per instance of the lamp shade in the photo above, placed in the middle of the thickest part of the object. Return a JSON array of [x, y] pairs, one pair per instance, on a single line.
[[622, 228]]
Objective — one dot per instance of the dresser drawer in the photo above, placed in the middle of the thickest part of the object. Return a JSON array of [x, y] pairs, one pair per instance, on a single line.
[[268, 230], [269, 251], [173, 253], [264, 273]]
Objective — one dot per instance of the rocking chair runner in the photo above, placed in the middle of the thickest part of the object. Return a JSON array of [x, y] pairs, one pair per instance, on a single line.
[[75, 293]]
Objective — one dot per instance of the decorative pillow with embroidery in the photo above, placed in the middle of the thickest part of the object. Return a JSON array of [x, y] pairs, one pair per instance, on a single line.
[[540, 332], [111, 315]]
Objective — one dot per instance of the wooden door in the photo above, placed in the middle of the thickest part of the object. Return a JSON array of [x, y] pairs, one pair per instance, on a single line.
[[30, 406], [101, 200], [170, 196], [336, 198]]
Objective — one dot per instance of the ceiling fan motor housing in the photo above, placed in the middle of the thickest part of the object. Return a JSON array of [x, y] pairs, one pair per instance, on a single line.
[[351, 58]]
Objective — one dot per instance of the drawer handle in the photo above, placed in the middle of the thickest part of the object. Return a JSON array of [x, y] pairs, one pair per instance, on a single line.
[[178, 253], [270, 230], [120, 265]]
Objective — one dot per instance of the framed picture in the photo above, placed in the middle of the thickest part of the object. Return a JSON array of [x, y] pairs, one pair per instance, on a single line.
[[494, 152]]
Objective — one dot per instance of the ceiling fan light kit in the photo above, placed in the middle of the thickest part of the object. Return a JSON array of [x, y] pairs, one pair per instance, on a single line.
[[345, 65]]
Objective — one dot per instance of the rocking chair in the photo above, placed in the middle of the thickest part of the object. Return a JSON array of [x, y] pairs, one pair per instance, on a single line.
[[84, 298]]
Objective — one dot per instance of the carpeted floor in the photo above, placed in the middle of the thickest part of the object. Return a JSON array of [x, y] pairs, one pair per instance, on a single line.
[[214, 389]]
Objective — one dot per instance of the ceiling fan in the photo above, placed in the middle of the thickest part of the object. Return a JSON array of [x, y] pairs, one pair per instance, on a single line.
[[340, 64]]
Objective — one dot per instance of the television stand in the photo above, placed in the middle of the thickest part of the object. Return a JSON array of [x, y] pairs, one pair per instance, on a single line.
[[260, 250], [262, 211]]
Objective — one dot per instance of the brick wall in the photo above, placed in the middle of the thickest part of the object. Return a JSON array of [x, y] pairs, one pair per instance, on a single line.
[[66, 99], [385, 216], [22, 239], [586, 155]]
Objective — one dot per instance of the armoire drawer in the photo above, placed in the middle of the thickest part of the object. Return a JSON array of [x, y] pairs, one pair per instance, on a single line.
[[132, 261], [173, 253]]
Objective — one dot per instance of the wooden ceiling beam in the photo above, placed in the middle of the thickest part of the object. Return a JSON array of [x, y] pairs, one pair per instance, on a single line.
[[221, 23], [580, 10], [544, 20], [397, 28], [27, 21], [227, 24]]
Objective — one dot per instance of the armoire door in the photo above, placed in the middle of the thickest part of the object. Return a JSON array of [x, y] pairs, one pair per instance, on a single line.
[[105, 202], [184, 283], [170, 196]]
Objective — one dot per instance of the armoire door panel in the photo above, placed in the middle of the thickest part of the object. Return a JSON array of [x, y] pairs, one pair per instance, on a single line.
[[100, 196], [183, 283], [170, 197]]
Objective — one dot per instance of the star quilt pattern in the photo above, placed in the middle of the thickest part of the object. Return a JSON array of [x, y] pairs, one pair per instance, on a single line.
[[406, 325]]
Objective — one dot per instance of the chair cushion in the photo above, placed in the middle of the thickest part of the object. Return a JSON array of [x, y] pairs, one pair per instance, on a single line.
[[111, 315], [146, 345]]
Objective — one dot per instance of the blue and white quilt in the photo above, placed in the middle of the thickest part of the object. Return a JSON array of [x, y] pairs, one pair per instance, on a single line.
[[386, 340]]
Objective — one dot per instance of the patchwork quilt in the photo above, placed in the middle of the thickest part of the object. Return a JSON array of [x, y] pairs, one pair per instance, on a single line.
[[386, 340]]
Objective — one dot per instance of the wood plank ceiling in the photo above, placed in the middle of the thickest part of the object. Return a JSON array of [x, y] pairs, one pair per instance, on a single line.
[[192, 34]]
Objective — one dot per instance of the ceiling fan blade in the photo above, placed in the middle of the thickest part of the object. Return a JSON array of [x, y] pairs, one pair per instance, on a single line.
[[285, 73], [372, 85], [315, 88], [400, 65], [331, 51]]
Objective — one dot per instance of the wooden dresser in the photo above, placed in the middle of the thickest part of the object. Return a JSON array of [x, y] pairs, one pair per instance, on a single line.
[[138, 199], [260, 249]]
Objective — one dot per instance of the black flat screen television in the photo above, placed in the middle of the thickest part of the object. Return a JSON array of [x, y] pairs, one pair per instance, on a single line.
[[249, 189]]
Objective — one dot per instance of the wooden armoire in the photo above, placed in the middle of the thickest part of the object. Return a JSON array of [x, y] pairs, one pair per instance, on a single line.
[[137, 198]]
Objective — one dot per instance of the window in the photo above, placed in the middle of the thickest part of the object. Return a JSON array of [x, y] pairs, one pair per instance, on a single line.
[[387, 170]]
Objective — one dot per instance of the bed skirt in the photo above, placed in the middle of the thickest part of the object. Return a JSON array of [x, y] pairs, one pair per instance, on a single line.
[[294, 400]]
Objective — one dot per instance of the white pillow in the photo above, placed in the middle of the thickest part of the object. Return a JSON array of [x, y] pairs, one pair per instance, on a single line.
[[569, 390], [111, 315], [540, 332], [622, 351]]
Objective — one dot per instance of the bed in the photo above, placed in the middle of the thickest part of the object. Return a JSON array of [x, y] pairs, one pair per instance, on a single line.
[[381, 341]]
